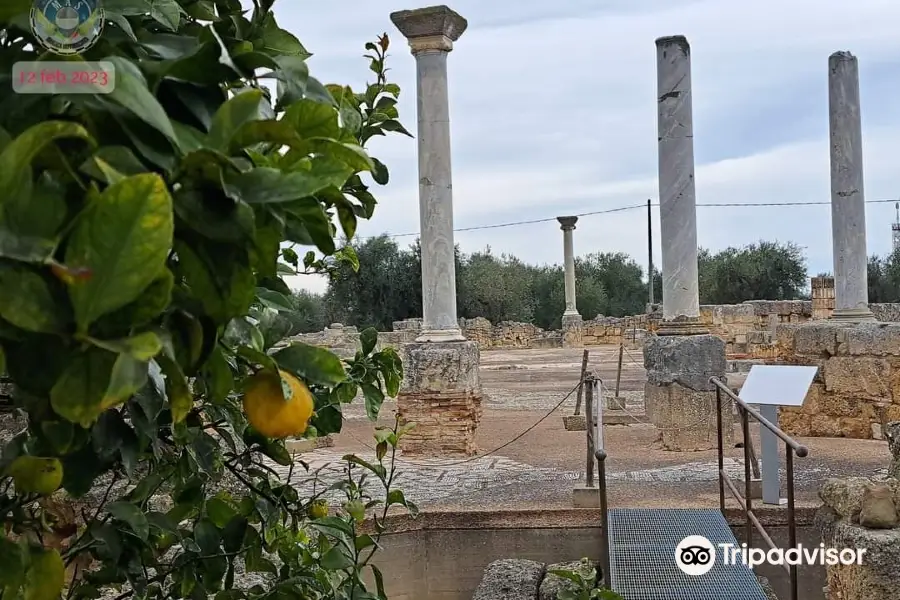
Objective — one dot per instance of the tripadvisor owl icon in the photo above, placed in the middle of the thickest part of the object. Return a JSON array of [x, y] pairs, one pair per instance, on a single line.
[[67, 26]]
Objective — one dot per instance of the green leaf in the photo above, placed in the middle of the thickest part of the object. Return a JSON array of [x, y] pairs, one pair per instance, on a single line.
[[151, 303], [87, 386], [207, 536], [311, 363], [266, 185], [276, 41], [142, 347], [181, 401], [124, 240], [25, 248], [220, 512], [311, 119], [380, 172], [111, 163], [131, 92], [219, 378], [132, 515], [166, 12], [336, 559], [15, 164], [27, 302], [215, 217], [274, 300], [234, 113], [368, 339], [46, 575], [374, 399], [12, 565]]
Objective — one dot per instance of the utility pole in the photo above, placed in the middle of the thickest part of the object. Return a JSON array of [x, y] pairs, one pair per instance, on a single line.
[[650, 248]]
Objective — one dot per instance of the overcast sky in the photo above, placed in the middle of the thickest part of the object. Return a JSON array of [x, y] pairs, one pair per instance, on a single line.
[[553, 112]]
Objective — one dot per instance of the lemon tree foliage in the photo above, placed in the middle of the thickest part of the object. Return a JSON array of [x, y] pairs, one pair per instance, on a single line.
[[144, 238]]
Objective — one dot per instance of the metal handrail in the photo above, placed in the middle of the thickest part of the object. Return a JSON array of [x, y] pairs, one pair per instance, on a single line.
[[792, 447], [600, 454]]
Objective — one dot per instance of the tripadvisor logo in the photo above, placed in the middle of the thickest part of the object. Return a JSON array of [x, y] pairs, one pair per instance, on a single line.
[[67, 26]]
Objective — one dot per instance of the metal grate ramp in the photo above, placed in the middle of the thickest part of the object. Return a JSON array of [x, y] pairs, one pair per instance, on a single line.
[[642, 544]]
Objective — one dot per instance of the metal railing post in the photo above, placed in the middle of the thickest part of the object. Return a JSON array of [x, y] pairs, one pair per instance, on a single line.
[[746, 503], [589, 427], [604, 517], [721, 449]]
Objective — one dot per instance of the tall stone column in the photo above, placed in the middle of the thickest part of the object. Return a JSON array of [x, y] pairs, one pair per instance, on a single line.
[[848, 205], [678, 397], [572, 329], [441, 390]]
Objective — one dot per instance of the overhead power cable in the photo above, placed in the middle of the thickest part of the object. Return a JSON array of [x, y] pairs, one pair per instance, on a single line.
[[625, 208]]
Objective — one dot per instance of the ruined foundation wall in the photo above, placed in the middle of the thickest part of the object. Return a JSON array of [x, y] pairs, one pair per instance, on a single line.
[[747, 329], [857, 388]]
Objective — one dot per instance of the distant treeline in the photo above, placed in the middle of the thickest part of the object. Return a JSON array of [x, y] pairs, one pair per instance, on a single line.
[[388, 285]]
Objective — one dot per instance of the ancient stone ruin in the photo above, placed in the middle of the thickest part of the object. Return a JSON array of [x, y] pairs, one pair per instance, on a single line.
[[862, 514]]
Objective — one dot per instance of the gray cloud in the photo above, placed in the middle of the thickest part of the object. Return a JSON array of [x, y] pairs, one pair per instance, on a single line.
[[553, 112]]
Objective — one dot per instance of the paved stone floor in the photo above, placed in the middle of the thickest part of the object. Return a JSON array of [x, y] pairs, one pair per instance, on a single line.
[[540, 468]]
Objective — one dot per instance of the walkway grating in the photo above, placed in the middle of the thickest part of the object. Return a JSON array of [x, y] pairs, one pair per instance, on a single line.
[[642, 556]]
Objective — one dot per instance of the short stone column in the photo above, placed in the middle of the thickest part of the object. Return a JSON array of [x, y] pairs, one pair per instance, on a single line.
[[822, 289], [441, 390], [678, 398], [572, 325], [848, 208]]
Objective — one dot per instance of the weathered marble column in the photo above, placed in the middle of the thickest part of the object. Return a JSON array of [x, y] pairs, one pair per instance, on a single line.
[[441, 390], [848, 207], [678, 397], [431, 33], [677, 196], [572, 326]]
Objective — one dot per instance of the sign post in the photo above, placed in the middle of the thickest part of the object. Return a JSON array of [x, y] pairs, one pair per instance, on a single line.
[[771, 386]]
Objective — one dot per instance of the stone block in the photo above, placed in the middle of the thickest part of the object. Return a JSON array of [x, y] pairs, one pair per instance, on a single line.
[[822, 425], [844, 496], [441, 394], [874, 339], [689, 360], [794, 423], [575, 422], [859, 376], [686, 418], [554, 584], [877, 576], [511, 579], [818, 339], [586, 497], [572, 331]]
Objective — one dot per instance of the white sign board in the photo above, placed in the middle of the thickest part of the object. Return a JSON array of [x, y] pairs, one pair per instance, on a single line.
[[777, 384]]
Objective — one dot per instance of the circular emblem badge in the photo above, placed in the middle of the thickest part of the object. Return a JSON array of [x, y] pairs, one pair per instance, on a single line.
[[67, 26]]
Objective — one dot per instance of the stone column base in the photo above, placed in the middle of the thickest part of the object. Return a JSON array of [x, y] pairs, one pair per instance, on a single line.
[[682, 326], [572, 331], [441, 394], [678, 397]]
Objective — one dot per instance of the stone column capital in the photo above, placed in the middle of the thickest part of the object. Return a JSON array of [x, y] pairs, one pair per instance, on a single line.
[[675, 40], [567, 223], [431, 29]]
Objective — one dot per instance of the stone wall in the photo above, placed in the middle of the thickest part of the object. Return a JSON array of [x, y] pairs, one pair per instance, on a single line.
[[857, 388], [862, 514], [748, 329]]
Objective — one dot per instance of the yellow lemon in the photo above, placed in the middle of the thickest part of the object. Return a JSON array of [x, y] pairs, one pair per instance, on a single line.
[[317, 510], [34, 475], [277, 407]]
